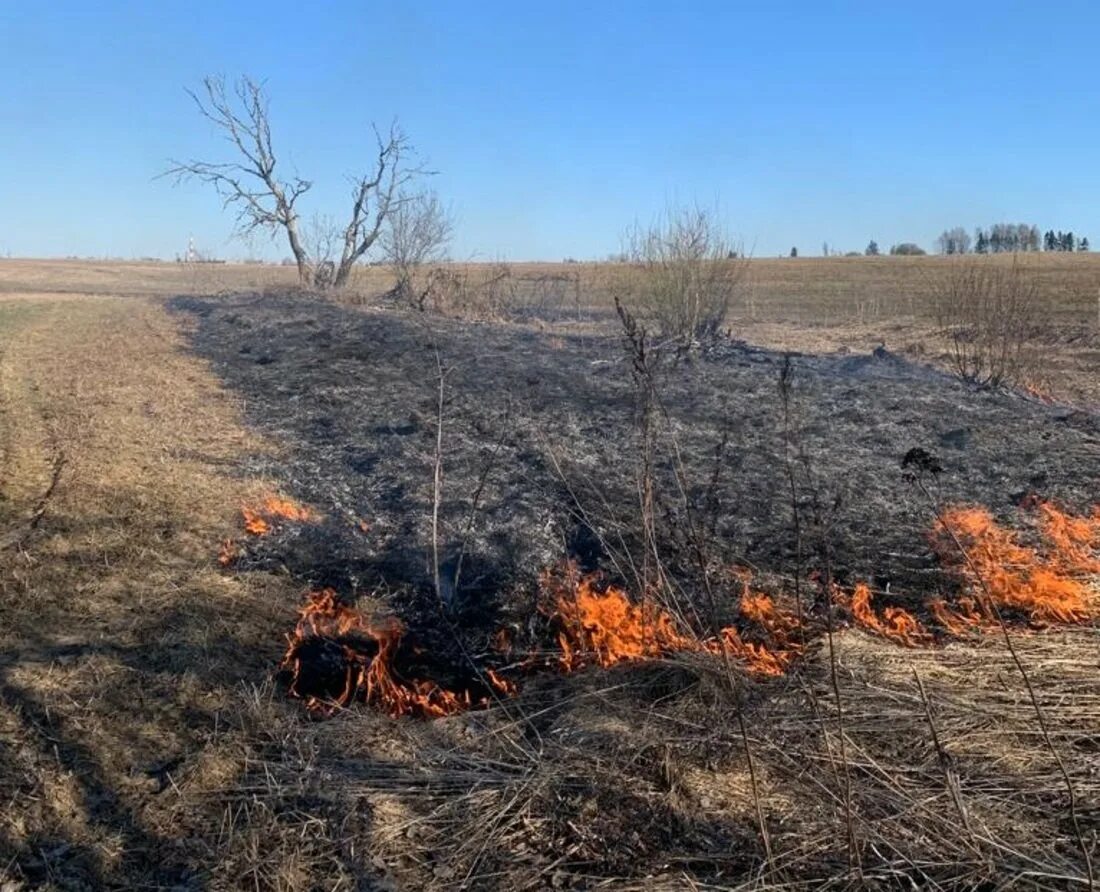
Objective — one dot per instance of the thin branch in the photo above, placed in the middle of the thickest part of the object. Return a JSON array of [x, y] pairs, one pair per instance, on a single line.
[[17, 537], [437, 477]]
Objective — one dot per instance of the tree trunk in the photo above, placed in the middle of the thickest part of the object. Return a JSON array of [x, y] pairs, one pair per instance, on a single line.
[[305, 274], [343, 273]]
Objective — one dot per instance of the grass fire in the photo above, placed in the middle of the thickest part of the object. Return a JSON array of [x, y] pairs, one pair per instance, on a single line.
[[444, 495], [302, 594], [336, 655]]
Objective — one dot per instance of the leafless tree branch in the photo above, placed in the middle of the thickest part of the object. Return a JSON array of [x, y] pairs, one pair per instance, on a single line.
[[263, 200]]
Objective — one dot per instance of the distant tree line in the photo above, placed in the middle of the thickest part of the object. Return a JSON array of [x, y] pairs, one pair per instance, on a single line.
[[1063, 241], [1007, 238]]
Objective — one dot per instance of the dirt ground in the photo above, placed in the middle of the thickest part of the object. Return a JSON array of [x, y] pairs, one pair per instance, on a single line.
[[145, 744]]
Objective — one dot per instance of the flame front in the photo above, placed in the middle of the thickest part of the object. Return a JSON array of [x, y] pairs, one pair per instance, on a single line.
[[894, 623], [605, 627], [337, 655], [1047, 584]]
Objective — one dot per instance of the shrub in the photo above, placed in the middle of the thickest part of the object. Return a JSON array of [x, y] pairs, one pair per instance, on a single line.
[[685, 274], [989, 313], [908, 249], [414, 240]]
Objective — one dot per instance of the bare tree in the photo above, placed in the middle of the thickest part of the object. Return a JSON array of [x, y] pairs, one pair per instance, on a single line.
[[264, 200], [954, 241], [417, 232]]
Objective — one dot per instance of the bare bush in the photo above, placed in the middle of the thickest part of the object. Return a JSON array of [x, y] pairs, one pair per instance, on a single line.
[[322, 238], [417, 233], [989, 313], [482, 292], [685, 275]]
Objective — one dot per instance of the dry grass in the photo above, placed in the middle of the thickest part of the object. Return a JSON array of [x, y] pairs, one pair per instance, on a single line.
[[140, 744], [123, 647]]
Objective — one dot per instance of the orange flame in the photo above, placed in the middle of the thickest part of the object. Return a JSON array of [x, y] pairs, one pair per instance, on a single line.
[[259, 520], [606, 628], [763, 617], [1038, 392], [958, 621], [383, 687], [1073, 542], [288, 509], [1046, 585], [337, 655], [227, 553], [254, 523], [895, 623], [360, 663], [501, 684]]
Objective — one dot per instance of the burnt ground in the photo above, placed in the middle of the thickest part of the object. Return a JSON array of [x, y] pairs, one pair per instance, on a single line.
[[539, 448]]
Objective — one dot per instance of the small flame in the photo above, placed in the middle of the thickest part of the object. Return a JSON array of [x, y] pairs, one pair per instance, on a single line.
[[259, 520], [763, 617], [1073, 541], [895, 623], [254, 523], [288, 509], [337, 655], [1038, 392], [228, 552], [960, 620], [501, 641], [501, 684]]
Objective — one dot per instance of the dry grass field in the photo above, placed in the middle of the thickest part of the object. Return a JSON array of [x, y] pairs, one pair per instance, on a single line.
[[804, 304], [147, 739]]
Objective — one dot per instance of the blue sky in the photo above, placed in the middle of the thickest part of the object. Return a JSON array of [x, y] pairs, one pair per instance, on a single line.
[[557, 125]]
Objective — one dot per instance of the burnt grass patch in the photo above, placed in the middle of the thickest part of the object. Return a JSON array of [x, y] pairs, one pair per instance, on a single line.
[[540, 447]]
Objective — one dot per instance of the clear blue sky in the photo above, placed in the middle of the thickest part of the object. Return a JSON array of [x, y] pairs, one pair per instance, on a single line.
[[556, 125]]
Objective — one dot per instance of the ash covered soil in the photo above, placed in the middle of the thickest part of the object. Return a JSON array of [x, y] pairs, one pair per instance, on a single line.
[[540, 448]]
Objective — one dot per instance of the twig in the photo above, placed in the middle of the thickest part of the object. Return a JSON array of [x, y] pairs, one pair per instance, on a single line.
[[949, 777], [16, 537], [853, 851], [634, 338], [786, 375], [437, 481], [476, 501], [764, 837]]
